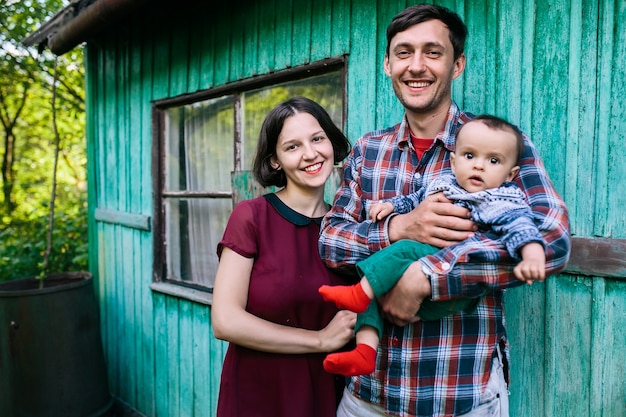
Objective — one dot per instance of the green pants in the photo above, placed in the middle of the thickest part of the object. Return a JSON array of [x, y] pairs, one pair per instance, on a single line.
[[384, 268]]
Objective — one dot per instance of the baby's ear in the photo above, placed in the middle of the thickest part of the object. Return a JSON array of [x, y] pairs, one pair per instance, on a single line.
[[452, 156], [513, 173]]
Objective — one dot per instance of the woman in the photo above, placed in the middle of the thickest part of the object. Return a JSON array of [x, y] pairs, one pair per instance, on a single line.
[[265, 299]]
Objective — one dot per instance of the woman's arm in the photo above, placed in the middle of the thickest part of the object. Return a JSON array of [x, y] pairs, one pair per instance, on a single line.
[[231, 321]]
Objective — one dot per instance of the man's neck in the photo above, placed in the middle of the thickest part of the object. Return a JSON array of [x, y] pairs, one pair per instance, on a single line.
[[428, 125]]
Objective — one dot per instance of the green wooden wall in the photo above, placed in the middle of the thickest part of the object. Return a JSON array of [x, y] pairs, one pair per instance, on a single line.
[[557, 68]]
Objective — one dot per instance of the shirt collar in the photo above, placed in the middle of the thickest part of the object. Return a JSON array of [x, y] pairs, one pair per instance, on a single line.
[[447, 136], [288, 213]]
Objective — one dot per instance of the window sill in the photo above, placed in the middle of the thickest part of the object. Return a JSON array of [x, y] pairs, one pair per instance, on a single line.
[[197, 296]]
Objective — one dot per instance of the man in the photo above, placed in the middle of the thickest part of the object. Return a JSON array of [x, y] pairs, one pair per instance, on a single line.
[[455, 366]]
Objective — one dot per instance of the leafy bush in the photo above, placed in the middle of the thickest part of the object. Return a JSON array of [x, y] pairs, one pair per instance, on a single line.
[[23, 243], [41, 106]]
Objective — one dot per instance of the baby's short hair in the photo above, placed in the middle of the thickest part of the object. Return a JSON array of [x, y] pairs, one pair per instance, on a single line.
[[497, 123]]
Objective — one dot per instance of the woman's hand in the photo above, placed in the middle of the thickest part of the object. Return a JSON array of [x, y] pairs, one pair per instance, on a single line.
[[338, 332]]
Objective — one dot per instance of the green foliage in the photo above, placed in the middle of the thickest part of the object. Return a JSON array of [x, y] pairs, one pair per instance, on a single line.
[[27, 142], [23, 243]]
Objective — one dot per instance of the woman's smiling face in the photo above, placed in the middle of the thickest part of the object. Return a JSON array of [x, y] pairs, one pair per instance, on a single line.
[[304, 152]]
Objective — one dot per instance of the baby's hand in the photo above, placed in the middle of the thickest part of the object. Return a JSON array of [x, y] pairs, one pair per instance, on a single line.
[[533, 264], [530, 271], [380, 210]]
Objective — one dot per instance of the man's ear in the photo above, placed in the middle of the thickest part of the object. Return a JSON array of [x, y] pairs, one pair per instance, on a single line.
[[386, 66], [459, 66]]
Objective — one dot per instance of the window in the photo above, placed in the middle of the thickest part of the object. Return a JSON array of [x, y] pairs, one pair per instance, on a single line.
[[205, 139]]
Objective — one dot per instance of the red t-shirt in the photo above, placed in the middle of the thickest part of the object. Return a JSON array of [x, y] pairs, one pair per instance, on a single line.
[[420, 144]]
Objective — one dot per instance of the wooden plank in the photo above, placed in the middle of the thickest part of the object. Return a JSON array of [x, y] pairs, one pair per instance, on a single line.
[[171, 363], [527, 77], [146, 396], [207, 60], [132, 220], [363, 63], [217, 349], [185, 359], [161, 355], [550, 89], [122, 108], [599, 340], [126, 261], [251, 40], [196, 50], [301, 40], [237, 42], [109, 194], [203, 381], [321, 28], [161, 71], [340, 28], [480, 60], [598, 257], [525, 308], [221, 65], [179, 60], [108, 306], [582, 117], [567, 346], [602, 156], [266, 25], [133, 258], [615, 12], [386, 109], [607, 381], [508, 56], [284, 27], [125, 337]]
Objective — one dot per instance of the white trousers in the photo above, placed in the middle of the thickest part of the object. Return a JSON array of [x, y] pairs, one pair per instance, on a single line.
[[494, 402]]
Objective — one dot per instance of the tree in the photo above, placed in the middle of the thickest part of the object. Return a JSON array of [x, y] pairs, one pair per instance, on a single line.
[[27, 148]]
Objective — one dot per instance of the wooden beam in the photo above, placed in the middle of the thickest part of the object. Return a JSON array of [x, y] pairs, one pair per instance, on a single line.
[[135, 221], [599, 257]]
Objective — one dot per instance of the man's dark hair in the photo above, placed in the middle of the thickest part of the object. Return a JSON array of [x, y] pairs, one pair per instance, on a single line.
[[420, 13]]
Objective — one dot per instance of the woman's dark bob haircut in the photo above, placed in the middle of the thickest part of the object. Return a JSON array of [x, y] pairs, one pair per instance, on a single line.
[[263, 171]]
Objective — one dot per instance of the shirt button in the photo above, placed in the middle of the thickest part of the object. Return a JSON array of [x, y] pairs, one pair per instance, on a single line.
[[417, 176], [445, 266]]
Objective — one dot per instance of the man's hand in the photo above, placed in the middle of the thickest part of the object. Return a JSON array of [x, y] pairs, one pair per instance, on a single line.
[[436, 221], [401, 304]]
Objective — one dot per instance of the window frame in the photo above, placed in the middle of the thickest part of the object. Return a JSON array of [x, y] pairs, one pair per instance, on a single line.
[[188, 290]]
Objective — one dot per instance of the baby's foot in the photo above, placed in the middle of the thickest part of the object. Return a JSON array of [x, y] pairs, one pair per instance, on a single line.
[[349, 297], [360, 361]]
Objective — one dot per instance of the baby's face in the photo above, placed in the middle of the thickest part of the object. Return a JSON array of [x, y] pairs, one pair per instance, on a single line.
[[484, 157]]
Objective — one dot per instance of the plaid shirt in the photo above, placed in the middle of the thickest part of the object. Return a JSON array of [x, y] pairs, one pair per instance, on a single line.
[[436, 368]]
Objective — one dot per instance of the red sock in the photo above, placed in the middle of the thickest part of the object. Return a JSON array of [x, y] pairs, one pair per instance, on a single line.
[[350, 297], [360, 361]]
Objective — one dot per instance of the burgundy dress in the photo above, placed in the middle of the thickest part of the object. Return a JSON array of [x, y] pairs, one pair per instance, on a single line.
[[286, 275]]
